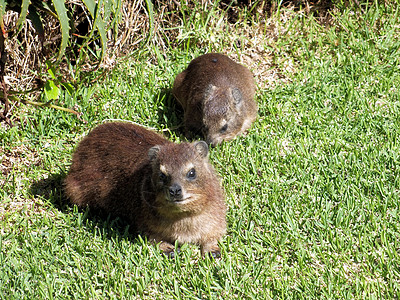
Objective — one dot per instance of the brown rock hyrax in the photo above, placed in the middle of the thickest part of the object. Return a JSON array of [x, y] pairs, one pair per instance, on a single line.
[[167, 191], [217, 96]]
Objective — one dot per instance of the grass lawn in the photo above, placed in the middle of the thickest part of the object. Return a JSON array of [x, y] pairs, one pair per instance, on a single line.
[[312, 190]]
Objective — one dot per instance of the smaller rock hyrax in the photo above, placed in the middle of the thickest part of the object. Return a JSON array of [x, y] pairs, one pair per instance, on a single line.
[[217, 96], [168, 192]]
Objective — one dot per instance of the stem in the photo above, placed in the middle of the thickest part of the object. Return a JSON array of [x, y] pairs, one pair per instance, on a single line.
[[42, 104], [3, 60], [46, 104]]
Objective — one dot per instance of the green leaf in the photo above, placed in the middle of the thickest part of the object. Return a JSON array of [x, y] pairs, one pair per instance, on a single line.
[[68, 87], [63, 18], [116, 17], [23, 14], [107, 10], [150, 11], [51, 90], [46, 7], [3, 4], [94, 9], [50, 69]]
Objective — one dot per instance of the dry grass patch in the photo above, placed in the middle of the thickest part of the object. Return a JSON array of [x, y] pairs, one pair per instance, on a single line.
[[18, 158]]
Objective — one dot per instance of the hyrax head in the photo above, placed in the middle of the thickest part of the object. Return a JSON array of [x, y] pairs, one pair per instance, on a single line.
[[180, 175], [223, 111]]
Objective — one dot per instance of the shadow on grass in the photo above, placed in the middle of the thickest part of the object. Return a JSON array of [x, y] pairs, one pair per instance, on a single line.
[[170, 113], [52, 190]]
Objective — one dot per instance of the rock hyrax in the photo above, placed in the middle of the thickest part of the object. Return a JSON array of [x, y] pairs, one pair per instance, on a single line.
[[217, 96], [167, 191]]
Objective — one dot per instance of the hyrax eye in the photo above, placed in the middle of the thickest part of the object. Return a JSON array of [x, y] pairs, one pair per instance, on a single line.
[[162, 176], [191, 174], [224, 128]]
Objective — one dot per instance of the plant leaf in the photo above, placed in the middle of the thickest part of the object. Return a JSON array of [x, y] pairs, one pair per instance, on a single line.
[[51, 90], [50, 69], [3, 4], [150, 11], [64, 22], [107, 10], [117, 12], [68, 87], [22, 15], [94, 10]]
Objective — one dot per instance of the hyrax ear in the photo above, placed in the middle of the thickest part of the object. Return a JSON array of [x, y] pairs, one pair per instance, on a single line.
[[153, 152], [179, 80], [237, 96], [202, 148]]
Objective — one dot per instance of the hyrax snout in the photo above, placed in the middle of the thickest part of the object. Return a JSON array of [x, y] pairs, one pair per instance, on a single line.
[[217, 96], [169, 192]]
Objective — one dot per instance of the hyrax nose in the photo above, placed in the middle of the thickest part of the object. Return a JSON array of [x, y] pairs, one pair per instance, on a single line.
[[175, 190]]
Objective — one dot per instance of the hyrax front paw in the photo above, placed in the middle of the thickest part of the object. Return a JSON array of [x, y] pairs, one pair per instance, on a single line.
[[214, 254], [210, 249]]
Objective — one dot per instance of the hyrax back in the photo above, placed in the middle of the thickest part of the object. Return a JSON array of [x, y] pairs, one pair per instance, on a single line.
[[169, 192], [217, 96]]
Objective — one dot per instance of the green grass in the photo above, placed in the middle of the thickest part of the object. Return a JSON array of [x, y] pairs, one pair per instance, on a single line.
[[312, 189]]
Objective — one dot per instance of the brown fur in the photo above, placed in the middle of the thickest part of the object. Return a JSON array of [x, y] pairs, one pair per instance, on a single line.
[[217, 96], [118, 168]]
